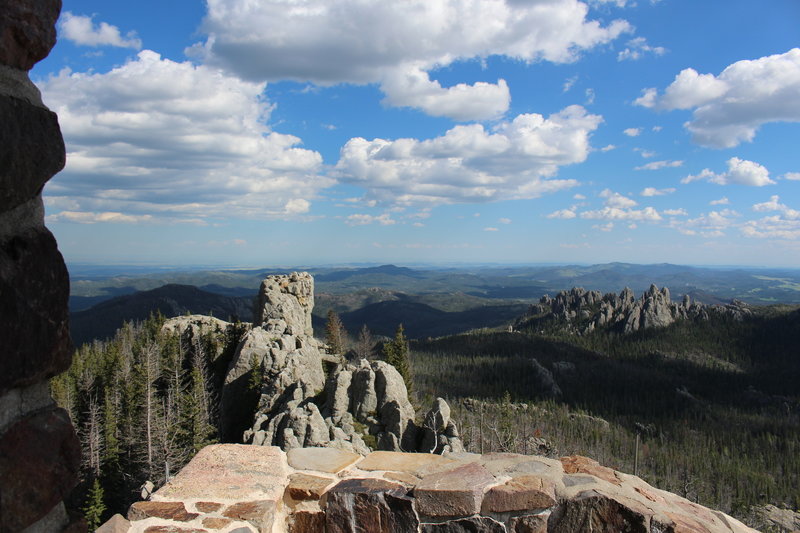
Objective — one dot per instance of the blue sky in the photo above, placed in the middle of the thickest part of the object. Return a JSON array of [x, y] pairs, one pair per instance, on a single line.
[[243, 133]]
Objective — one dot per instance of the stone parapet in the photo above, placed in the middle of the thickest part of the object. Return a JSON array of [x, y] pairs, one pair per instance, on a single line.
[[237, 488]]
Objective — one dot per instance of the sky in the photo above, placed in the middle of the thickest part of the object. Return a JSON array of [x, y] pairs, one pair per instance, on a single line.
[[310, 132]]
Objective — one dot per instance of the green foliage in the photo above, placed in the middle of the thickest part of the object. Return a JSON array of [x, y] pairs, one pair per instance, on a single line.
[[94, 507], [148, 402], [716, 402], [396, 353]]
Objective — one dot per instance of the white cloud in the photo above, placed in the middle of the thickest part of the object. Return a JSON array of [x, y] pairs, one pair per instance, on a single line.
[[490, 229], [656, 128], [397, 44], [589, 96], [564, 214], [514, 160], [793, 176], [637, 48], [632, 132], [504, 220], [740, 172], [82, 217], [652, 191], [364, 219], [712, 224], [774, 205], [82, 31], [615, 199], [412, 87], [772, 227], [569, 82], [578, 196], [675, 212], [173, 139], [608, 148], [647, 154], [728, 109], [647, 214], [722, 201], [656, 165]]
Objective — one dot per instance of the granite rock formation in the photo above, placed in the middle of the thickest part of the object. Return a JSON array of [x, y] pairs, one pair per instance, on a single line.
[[582, 311], [299, 406], [39, 451], [311, 490]]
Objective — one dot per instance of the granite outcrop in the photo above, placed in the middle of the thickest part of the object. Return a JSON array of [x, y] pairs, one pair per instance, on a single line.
[[308, 397], [581, 311], [228, 488]]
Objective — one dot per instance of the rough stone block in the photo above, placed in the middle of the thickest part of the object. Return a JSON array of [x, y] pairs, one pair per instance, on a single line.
[[329, 460], [207, 507], [475, 524], [520, 494], [307, 522], [115, 524], [532, 523], [233, 471], [592, 512], [456, 492], [213, 522], [411, 463], [39, 461], [166, 510], [34, 319], [27, 31], [259, 513], [370, 504], [33, 150], [576, 464], [303, 487]]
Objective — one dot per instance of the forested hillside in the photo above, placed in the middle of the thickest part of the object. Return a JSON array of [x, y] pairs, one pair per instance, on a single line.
[[143, 404], [716, 404]]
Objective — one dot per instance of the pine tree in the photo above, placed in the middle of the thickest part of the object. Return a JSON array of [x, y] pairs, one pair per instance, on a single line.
[[396, 353], [334, 333], [94, 507]]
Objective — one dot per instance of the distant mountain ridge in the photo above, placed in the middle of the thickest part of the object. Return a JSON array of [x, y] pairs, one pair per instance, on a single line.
[[103, 319]]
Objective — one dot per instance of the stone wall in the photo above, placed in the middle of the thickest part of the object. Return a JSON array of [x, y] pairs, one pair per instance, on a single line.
[[237, 488], [39, 451]]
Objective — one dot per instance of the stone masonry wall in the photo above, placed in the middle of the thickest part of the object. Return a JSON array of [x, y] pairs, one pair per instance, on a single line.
[[39, 451], [238, 488]]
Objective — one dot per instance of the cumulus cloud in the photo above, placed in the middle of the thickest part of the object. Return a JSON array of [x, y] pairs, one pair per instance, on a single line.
[[722, 201], [729, 108], [656, 165], [397, 44], [772, 227], [652, 191], [83, 31], [564, 214], [637, 48], [619, 207], [615, 199], [774, 204], [364, 220], [632, 132], [681, 212], [792, 176], [156, 137], [411, 87], [740, 172], [513, 160], [712, 224]]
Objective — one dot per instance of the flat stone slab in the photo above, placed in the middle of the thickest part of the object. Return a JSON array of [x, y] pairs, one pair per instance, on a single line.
[[369, 505], [166, 510], [304, 487], [233, 472], [522, 493], [456, 492], [410, 463], [329, 460], [577, 464]]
